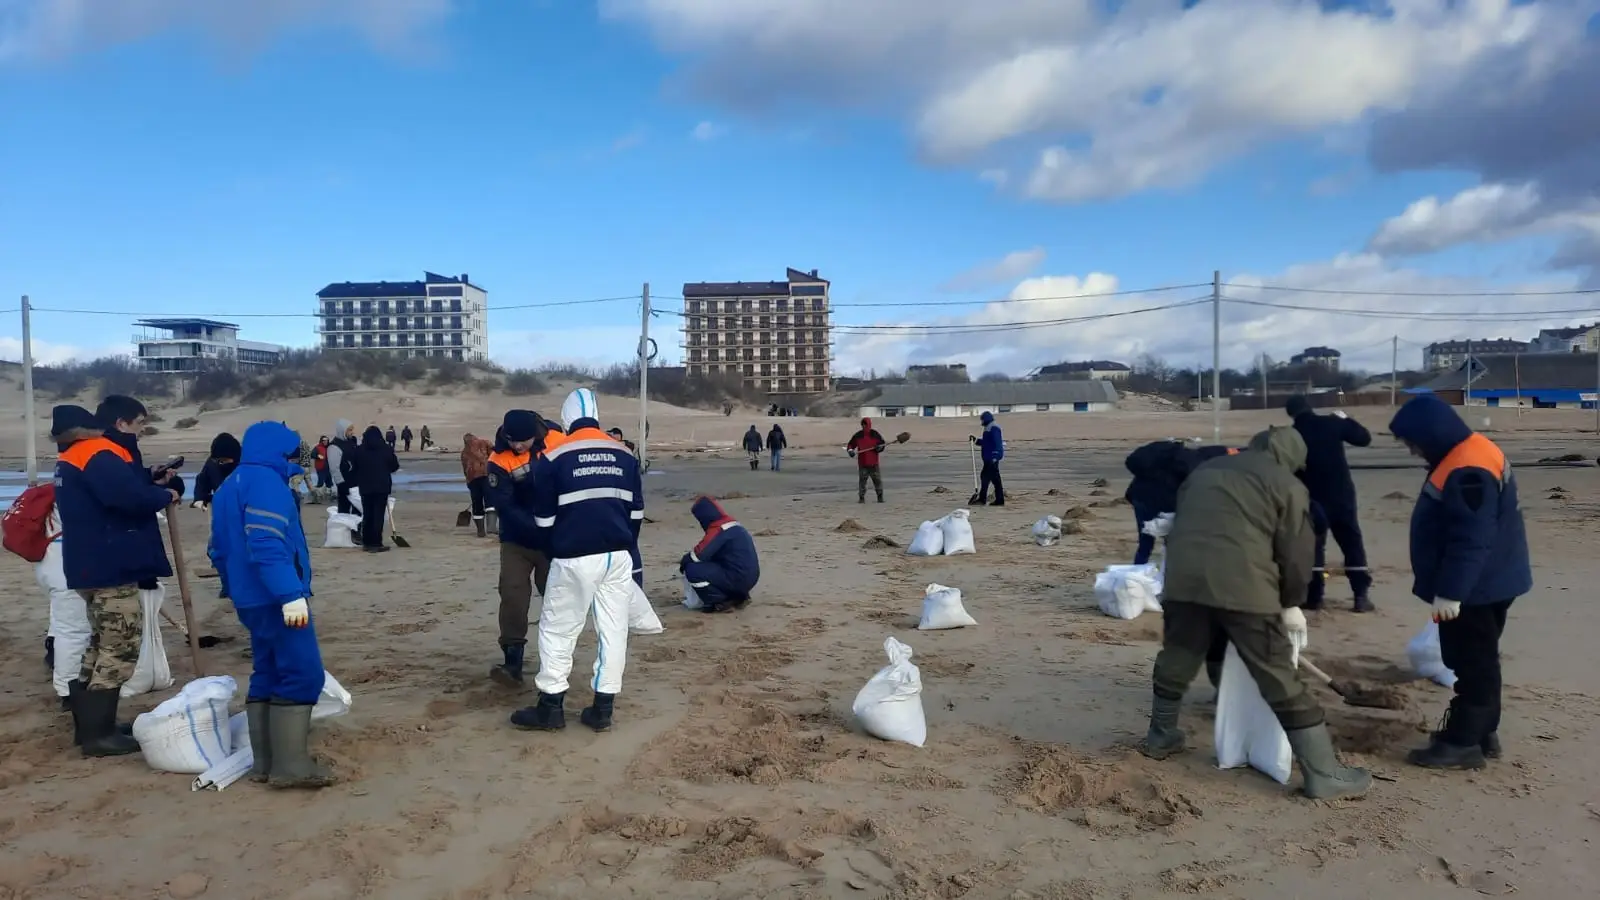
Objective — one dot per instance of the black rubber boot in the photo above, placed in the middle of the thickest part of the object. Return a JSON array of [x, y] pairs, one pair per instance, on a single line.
[[483, 530], [1214, 673], [50, 653], [1452, 746], [74, 697], [880, 498], [97, 710], [1363, 603], [1314, 593], [550, 714], [493, 521], [598, 716], [1325, 777], [257, 714], [1165, 738], [289, 735], [999, 502], [509, 673]]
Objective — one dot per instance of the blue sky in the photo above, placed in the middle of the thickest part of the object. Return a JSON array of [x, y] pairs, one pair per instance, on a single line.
[[159, 163]]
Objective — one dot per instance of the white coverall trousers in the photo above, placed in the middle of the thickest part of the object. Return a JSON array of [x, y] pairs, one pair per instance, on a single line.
[[601, 584], [69, 618]]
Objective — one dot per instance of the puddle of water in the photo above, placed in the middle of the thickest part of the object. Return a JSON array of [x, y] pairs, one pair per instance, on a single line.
[[12, 484]]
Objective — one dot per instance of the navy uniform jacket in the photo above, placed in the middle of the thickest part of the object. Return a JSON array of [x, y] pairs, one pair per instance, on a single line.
[[1327, 472], [588, 497]]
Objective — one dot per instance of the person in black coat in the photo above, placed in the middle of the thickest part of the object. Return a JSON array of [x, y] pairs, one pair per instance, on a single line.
[[223, 460], [374, 468], [1333, 494], [1158, 468]]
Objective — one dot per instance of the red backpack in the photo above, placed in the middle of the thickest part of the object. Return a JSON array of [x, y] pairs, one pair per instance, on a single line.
[[26, 525]]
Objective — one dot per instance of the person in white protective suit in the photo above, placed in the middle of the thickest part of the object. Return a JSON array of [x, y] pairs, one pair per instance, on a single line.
[[589, 499], [69, 618]]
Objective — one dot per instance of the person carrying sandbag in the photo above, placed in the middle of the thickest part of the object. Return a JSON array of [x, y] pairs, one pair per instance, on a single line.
[[1469, 559], [1238, 566], [259, 543], [723, 567]]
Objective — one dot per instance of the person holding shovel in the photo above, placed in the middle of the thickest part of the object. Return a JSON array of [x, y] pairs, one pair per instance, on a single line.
[[1239, 565], [992, 446], [864, 447], [475, 469]]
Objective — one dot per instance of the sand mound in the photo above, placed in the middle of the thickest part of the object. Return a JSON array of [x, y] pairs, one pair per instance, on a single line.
[[743, 740], [1052, 779], [767, 532], [1099, 483], [1077, 512], [1097, 493], [850, 526], [1372, 736], [1396, 495], [734, 495], [878, 541], [941, 489]]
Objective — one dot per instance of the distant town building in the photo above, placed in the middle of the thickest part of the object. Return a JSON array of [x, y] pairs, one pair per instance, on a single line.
[[1094, 369], [1577, 339], [1529, 380], [1446, 355], [189, 346], [938, 373], [1322, 357], [438, 316], [1002, 398], [776, 336]]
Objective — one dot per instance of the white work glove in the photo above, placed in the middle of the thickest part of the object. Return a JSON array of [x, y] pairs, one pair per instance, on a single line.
[[296, 614], [1445, 610], [1340, 413], [1294, 622]]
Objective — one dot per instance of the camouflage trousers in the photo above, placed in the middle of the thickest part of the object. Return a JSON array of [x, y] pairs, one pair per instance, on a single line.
[[116, 626]]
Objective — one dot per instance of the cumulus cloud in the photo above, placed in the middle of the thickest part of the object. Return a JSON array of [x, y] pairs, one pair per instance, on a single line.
[[48, 353], [1010, 267], [1109, 102], [1489, 212], [707, 131], [1261, 320], [33, 30]]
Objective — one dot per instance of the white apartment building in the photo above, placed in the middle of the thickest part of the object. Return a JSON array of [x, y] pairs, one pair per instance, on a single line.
[[439, 316], [777, 336], [190, 346]]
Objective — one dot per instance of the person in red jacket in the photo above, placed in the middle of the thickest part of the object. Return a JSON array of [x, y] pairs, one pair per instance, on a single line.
[[865, 445]]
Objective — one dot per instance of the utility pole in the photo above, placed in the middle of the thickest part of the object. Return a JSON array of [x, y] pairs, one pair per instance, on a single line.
[[644, 376], [1596, 379], [1394, 366], [27, 394], [1216, 356], [1265, 400], [1466, 396]]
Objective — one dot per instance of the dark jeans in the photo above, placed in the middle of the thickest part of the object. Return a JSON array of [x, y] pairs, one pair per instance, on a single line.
[[1470, 646], [991, 475], [478, 487], [1346, 531], [1191, 634], [1143, 513], [343, 494], [374, 508], [324, 478]]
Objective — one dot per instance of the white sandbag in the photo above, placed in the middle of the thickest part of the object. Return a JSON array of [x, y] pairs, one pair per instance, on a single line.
[[942, 609], [335, 700], [151, 673], [1124, 592], [1247, 733], [188, 733], [691, 597], [642, 618], [355, 504], [1047, 531], [1427, 657], [958, 533], [341, 530], [929, 540], [890, 706]]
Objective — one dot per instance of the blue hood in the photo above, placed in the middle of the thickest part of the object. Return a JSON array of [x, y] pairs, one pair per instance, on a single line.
[[987, 418], [271, 445], [1431, 425], [708, 512]]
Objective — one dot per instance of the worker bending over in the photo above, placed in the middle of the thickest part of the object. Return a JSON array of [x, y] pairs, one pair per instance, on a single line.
[[1238, 565], [723, 567]]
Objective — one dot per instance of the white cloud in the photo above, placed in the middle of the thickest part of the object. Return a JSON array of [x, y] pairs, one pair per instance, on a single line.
[[1183, 336], [51, 29], [708, 131], [628, 141], [1489, 212], [1012, 266], [596, 347], [1151, 95], [47, 353]]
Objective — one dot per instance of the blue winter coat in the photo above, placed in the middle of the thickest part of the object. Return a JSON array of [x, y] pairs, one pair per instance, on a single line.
[[1468, 542], [256, 536], [726, 556], [992, 444], [588, 497], [108, 509]]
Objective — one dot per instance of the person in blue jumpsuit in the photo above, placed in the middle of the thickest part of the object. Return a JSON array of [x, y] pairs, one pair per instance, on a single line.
[[259, 543], [1333, 496], [723, 567]]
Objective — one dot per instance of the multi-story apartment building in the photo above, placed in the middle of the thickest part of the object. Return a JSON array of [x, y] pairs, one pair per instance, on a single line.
[[189, 346], [1567, 340], [775, 335], [438, 316], [1443, 355]]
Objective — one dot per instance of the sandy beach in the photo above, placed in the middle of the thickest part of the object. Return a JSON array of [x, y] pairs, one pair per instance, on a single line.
[[735, 769]]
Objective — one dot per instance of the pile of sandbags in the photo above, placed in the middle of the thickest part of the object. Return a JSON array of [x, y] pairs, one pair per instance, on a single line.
[[946, 536], [1124, 592]]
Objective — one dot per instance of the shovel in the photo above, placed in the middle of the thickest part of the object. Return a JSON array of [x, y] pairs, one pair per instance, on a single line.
[[183, 589], [464, 518], [394, 535], [1357, 694], [973, 452]]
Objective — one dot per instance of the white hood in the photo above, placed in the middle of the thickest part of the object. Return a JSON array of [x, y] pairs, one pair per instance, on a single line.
[[580, 404]]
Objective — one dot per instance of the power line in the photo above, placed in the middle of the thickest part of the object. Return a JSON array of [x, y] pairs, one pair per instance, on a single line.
[[1425, 315], [1003, 300], [992, 327], [1446, 294], [317, 315]]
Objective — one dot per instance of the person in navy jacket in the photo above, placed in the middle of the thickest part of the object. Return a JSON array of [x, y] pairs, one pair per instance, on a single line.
[[723, 567], [1327, 479], [259, 542], [992, 447], [1470, 561], [111, 549], [588, 501]]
